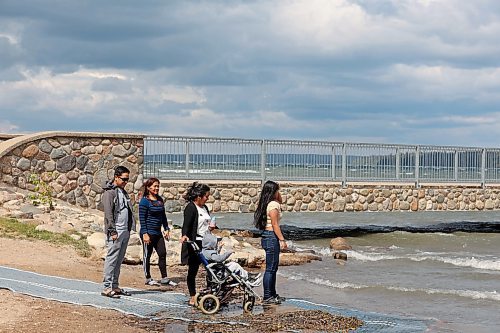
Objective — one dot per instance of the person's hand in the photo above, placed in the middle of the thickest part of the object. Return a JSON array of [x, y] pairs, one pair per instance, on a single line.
[[146, 239], [283, 244], [166, 234], [183, 239]]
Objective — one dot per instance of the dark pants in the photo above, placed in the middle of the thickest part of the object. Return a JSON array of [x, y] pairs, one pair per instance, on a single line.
[[158, 244], [271, 245], [193, 266]]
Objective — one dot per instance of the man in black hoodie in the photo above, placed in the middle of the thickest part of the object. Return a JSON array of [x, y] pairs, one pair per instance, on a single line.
[[118, 222]]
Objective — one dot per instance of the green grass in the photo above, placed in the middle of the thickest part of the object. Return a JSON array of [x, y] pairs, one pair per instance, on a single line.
[[12, 228]]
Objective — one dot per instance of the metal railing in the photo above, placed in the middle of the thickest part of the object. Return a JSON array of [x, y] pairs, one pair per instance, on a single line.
[[169, 157]]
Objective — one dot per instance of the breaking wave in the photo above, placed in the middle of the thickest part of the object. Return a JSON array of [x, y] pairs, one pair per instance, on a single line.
[[472, 262]]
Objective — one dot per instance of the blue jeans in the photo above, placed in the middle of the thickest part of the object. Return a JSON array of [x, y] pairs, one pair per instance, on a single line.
[[271, 245]]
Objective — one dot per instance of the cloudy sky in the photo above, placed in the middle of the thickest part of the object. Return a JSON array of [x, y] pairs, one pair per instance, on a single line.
[[383, 71]]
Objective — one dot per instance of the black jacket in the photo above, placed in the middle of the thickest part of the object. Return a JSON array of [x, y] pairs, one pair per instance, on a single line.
[[189, 228]]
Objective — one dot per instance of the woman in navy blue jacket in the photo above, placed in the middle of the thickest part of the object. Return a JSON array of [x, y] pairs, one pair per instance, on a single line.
[[152, 217]]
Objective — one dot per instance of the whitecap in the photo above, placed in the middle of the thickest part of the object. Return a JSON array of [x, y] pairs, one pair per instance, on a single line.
[[370, 256], [474, 294], [472, 262], [322, 251], [323, 282], [493, 265]]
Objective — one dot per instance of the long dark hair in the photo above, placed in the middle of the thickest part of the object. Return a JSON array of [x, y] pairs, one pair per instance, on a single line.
[[148, 183], [196, 190], [266, 196]]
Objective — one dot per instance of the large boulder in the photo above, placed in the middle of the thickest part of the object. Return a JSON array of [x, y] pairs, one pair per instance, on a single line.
[[339, 243], [135, 239], [97, 240], [254, 259], [50, 228], [6, 197], [133, 256]]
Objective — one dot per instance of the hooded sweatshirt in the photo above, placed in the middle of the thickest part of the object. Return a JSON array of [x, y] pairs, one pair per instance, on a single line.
[[114, 210], [210, 251]]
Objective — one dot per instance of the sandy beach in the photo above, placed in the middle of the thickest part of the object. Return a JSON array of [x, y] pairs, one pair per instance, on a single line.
[[21, 313]]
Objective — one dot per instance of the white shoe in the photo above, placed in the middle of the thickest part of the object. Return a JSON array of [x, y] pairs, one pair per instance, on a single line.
[[151, 282], [167, 282]]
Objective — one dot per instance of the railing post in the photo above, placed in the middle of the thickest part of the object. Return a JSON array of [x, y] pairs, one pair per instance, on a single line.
[[263, 161], [456, 166], [398, 164], [333, 163], [344, 165], [146, 165], [417, 167], [483, 168], [187, 159]]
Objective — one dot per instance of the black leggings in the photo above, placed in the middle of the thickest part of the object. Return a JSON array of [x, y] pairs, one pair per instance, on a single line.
[[193, 266], [158, 244]]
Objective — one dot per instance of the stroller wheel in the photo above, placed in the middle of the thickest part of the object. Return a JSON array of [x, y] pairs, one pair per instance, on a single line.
[[209, 304], [248, 304]]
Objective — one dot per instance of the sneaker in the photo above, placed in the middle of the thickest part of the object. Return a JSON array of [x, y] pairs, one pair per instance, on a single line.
[[280, 298], [151, 282], [167, 282], [271, 301]]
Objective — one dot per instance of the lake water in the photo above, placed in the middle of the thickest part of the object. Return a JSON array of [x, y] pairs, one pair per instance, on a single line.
[[449, 280]]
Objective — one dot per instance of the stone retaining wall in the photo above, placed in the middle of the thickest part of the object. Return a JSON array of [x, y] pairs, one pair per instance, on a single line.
[[76, 165], [243, 197]]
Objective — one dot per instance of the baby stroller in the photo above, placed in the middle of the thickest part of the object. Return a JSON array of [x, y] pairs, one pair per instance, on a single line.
[[221, 283]]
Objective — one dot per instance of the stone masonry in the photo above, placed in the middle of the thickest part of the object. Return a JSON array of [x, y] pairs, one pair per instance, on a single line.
[[76, 166], [243, 197]]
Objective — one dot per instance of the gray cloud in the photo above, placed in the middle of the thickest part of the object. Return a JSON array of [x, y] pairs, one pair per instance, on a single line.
[[371, 71]]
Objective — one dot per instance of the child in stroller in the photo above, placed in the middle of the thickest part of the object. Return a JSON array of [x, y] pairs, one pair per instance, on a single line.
[[223, 278], [211, 250]]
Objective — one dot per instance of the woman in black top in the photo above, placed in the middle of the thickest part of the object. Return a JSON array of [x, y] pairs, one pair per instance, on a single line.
[[196, 224]]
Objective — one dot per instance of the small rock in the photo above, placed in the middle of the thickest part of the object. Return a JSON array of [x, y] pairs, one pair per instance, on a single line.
[[75, 237], [340, 255]]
